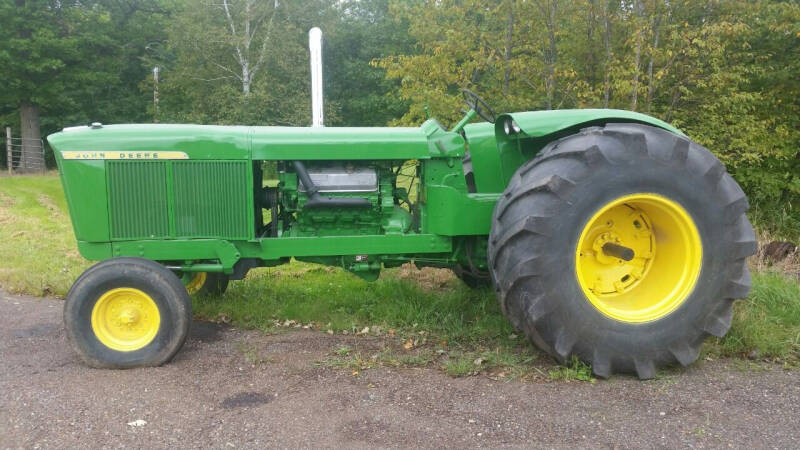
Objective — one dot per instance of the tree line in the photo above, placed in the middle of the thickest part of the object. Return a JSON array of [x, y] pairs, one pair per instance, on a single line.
[[726, 72]]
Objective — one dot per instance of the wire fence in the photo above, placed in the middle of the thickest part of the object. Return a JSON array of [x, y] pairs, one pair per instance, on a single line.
[[24, 155]]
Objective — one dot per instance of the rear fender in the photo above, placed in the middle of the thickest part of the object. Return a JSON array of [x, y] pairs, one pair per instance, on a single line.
[[496, 156]]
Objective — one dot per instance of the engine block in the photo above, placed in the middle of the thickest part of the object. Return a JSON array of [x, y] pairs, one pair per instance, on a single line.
[[337, 180]]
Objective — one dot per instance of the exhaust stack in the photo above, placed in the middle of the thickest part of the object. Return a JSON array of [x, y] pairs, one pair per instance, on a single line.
[[315, 48]]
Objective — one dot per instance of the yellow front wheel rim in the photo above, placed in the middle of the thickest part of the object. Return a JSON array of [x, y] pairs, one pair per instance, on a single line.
[[196, 283], [125, 319], [639, 257]]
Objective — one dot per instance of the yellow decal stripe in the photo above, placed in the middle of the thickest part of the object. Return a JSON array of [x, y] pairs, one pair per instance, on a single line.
[[124, 155]]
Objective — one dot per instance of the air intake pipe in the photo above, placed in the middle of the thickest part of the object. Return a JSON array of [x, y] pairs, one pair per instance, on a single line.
[[315, 199], [315, 49]]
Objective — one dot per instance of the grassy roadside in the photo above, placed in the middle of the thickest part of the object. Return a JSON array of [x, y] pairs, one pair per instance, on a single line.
[[38, 255], [427, 317]]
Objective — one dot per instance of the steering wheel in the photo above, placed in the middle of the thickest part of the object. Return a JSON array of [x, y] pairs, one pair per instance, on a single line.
[[476, 103]]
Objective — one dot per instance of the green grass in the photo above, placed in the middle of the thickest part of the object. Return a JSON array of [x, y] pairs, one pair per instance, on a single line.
[[780, 221], [425, 318], [38, 254], [768, 324], [573, 370], [336, 300]]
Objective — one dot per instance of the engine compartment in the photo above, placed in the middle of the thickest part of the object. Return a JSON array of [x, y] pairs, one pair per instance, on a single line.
[[348, 198]]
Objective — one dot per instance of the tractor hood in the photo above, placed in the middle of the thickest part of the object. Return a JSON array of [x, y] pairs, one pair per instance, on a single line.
[[154, 141], [541, 123], [151, 141], [343, 143]]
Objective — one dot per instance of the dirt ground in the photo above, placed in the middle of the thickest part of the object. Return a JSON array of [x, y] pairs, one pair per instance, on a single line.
[[230, 388]]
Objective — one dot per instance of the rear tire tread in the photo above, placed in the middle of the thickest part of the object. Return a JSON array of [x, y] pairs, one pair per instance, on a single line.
[[590, 147], [684, 353], [719, 322]]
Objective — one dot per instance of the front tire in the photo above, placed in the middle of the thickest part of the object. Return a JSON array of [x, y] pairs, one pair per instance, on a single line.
[[127, 312], [667, 201]]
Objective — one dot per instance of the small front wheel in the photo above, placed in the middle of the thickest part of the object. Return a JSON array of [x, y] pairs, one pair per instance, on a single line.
[[127, 312]]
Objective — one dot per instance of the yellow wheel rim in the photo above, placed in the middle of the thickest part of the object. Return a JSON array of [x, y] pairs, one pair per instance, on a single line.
[[125, 319], [196, 283], [638, 258]]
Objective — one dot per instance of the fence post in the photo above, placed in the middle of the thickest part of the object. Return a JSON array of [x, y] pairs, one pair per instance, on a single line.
[[8, 148]]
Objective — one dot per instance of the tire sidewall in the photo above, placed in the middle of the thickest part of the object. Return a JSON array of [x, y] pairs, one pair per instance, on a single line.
[[592, 169], [672, 182]]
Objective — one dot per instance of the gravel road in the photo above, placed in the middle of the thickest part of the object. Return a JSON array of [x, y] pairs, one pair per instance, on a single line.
[[231, 388]]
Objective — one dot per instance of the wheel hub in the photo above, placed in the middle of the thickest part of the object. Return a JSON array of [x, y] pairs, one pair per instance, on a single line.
[[125, 319], [638, 257], [129, 317], [609, 271]]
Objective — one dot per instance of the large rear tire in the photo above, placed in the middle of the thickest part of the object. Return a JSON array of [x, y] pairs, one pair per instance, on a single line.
[[623, 245]]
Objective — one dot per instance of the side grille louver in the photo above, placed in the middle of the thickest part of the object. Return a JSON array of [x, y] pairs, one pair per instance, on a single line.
[[210, 199], [138, 199]]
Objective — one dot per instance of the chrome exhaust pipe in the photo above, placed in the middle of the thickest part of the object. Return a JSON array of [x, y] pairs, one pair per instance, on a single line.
[[315, 48]]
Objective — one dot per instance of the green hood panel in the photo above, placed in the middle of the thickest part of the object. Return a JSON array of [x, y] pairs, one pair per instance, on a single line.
[[541, 123], [349, 143], [136, 141], [241, 142]]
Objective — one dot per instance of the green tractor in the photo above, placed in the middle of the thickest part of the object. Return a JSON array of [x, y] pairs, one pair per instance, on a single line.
[[606, 234]]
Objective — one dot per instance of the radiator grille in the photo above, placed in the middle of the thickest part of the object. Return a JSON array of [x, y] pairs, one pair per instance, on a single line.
[[211, 198], [137, 195]]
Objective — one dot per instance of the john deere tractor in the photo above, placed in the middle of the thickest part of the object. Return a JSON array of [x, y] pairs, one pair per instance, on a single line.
[[607, 235]]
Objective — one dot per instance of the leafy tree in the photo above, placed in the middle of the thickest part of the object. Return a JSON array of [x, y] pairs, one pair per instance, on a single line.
[[67, 63], [361, 32], [42, 47], [136, 31], [725, 72], [239, 63]]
